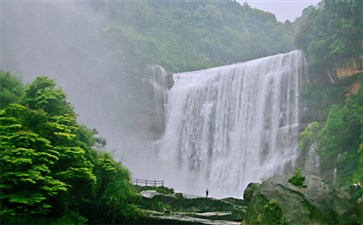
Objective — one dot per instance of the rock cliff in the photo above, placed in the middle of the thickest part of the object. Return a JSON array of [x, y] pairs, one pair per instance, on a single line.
[[348, 68]]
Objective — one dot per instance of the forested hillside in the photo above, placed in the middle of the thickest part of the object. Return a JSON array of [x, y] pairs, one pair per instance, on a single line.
[[331, 35], [189, 35], [53, 169]]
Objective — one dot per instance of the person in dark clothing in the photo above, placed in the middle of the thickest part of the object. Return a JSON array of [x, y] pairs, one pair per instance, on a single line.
[[206, 193]]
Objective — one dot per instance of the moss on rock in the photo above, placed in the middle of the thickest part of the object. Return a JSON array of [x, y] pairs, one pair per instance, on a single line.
[[278, 201]]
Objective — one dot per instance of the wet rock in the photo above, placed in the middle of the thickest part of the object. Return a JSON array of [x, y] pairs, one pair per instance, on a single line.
[[250, 191]]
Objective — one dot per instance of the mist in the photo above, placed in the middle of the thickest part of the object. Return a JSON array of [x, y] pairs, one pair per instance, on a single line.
[[71, 43], [67, 42]]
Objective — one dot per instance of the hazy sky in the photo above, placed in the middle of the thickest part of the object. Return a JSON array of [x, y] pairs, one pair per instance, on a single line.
[[283, 9]]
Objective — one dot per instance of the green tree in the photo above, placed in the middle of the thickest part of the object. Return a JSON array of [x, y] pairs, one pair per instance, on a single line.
[[42, 94], [53, 169], [331, 134], [353, 114], [73, 167], [26, 160], [358, 174], [340, 140], [11, 89], [330, 34], [115, 192], [309, 135], [61, 129], [190, 35]]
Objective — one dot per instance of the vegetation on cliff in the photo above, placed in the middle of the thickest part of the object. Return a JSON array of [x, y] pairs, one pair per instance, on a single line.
[[330, 34], [53, 169], [339, 140]]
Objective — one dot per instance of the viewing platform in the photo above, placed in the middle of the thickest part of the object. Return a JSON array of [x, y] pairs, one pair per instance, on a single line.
[[142, 182]]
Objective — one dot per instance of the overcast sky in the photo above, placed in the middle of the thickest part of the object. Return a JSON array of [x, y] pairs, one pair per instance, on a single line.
[[283, 9]]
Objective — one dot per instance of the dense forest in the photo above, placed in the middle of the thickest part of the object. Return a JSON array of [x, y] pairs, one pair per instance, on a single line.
[[57, 171], [329, 35], [53, 169], [190, 35]]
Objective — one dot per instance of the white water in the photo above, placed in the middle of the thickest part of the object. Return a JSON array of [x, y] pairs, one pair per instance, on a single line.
[[335, 172], [232, 125], [312, 162], [155, 86]]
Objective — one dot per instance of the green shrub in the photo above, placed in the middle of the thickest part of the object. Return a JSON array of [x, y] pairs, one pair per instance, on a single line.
[[297, 178], [273, 213]]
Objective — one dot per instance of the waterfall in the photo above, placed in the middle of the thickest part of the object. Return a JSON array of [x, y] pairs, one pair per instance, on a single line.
[[335, 176], [155, 86], [335, 171], [312, 162], [232, 125]]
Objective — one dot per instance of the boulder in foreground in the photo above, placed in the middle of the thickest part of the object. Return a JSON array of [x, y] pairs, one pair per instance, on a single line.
[[277, 201]]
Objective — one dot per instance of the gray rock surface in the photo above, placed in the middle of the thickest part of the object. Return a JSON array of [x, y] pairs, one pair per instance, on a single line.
[[148, 194], [179, 208], [276, 201]]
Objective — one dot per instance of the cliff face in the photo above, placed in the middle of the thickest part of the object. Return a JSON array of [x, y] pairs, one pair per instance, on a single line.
[[353, 88], [332, 88], [345, 69], [349, 68], [156, 82], [343, 74]]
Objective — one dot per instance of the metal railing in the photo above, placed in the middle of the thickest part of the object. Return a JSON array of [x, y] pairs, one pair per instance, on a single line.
[[142, 182]]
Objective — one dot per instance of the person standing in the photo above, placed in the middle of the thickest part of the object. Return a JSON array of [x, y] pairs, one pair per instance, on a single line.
[[206, 193]]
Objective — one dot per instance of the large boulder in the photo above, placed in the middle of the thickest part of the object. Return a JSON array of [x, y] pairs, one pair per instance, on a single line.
[[277, 201]]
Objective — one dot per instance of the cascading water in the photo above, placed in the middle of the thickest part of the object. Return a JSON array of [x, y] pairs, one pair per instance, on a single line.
[[335, 171], [232, 125], [155, 86], [312, 162]]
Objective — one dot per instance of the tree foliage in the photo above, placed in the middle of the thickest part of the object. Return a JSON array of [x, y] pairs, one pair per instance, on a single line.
[[309, 136], [189, 35], [320, 99], [114, 190], [340, 140], [11, 89], [331, 33], [52, 167], [42, 94], [26, 159], [331, 134]]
